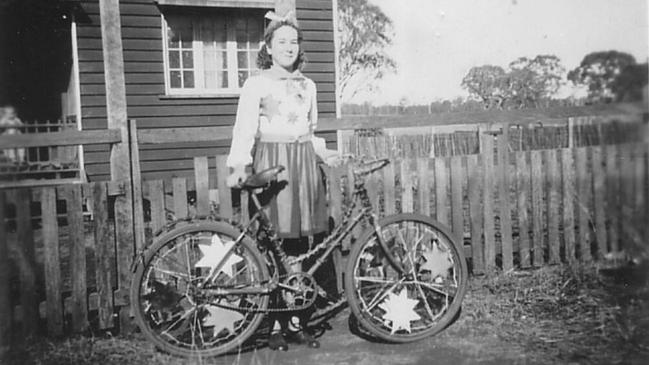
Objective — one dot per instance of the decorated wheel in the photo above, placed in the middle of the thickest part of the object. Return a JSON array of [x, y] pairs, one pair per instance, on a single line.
[[405, 307], [181, 293]]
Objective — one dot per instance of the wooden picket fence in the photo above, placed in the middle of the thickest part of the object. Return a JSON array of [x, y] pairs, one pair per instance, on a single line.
[[510, 209], [66, 251], [67, 263]]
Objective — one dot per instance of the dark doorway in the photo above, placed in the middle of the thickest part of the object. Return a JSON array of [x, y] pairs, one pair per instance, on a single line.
[[35, 56]]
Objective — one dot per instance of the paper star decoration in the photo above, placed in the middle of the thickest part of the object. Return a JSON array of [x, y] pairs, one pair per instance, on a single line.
[[221, 318], [399, 311], [437, 262], [213, 255]]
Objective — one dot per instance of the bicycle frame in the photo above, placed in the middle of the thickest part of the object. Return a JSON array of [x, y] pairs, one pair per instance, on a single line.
[[331, 242]]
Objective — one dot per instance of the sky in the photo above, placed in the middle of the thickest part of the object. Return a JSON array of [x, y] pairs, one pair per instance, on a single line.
[[437, 41]]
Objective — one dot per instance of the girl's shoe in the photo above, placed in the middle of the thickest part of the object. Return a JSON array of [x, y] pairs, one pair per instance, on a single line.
[[304, 338], [276, 341]]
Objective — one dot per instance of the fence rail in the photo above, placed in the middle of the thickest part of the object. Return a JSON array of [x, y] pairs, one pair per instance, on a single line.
[[47, 154]]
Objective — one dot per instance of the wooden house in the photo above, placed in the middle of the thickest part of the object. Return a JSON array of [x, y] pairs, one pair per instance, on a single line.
[[183, 63]]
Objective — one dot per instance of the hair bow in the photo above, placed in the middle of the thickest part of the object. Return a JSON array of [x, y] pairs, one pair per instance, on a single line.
[[288, 17]]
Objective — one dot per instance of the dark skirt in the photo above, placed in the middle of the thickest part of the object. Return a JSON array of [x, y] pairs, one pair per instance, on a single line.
[[300, 207]]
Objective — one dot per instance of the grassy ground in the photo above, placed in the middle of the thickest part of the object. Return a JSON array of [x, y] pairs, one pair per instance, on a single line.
[[556, 315]]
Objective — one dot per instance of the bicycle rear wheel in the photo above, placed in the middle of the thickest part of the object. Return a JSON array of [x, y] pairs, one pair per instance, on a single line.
[[406, 307], [172, 309]]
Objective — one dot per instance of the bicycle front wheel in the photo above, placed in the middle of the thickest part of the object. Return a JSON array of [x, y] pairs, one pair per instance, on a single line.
[[169, 299], [409, 306]]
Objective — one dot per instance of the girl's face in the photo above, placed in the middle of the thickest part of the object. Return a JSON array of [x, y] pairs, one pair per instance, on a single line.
[[284, 47]]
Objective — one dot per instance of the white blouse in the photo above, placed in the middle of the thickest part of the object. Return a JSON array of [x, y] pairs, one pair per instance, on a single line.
[[275, 105]]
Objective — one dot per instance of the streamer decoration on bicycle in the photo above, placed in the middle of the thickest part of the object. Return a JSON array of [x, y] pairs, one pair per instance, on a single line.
[[203, 287]]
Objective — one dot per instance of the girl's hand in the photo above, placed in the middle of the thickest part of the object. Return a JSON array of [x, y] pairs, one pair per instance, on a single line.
[[333, 160], [237, 176]]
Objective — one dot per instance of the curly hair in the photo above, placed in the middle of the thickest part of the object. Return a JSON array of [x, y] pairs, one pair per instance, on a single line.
[[264, 59]]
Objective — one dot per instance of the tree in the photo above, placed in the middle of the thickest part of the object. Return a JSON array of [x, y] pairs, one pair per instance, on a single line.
[[532, 81], [488, 84], [598, 71], [628, 85], [526, 83], [364, 33]]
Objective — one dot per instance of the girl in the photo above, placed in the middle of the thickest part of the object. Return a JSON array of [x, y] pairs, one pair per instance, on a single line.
[[278, 108]]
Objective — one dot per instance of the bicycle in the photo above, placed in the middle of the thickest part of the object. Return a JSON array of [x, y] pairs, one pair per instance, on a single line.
[[203, 288]]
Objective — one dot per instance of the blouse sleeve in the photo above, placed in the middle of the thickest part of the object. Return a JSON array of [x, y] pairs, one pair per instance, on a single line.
[[245, 126]]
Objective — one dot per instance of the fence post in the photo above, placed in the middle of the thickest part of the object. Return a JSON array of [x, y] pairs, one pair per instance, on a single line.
[[201, 176], [475, 186], [538, 239], [26, 262], [503, 199], [5, 297], [488, 205], [72, 194], [225, 194], [433, 132], [52, 263], [125, 252], [136, 186], [571, 132]]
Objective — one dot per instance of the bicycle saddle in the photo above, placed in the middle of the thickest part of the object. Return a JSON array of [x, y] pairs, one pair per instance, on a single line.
[[262, 178]]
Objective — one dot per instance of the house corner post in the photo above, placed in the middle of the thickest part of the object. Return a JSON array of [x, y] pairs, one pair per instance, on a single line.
[[120, 166], [111, 40]]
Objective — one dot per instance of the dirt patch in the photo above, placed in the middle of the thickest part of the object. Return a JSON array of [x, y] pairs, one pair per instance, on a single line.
[[552, 315]]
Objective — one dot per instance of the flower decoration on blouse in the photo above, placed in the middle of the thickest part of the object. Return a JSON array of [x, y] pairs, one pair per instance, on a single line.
[[270, 106]]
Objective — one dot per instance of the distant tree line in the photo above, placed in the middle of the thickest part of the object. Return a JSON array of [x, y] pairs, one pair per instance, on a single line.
[[458, 104], [608, 76]]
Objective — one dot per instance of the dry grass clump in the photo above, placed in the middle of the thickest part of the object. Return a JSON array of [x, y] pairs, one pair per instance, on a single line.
[[87, 350], [563, 314]]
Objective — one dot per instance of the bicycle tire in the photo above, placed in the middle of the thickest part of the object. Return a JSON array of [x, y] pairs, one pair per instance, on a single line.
[[164, 291], [391, 315]]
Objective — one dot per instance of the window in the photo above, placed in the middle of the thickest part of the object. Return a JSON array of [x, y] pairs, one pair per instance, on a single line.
[[211, 51]]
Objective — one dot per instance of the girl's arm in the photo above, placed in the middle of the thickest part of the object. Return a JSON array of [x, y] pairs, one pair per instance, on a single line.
[[244, 131]]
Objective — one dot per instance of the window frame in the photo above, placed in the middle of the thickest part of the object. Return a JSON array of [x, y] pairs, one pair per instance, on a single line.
[[232, 50]]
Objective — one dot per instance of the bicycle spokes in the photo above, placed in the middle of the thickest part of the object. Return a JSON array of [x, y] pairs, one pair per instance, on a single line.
[[176, 297], [413, 301]]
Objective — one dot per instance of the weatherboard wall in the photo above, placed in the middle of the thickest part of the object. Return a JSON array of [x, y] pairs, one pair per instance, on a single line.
[[145, 86]]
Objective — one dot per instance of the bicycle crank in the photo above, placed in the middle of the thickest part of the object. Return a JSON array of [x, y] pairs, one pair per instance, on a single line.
[[299, 290]]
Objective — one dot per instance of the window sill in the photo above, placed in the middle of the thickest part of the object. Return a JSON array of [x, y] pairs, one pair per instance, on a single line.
[[198, 96]]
